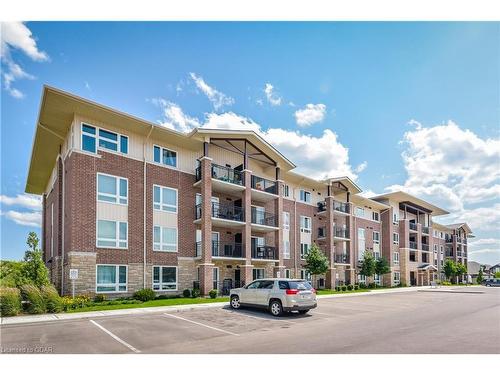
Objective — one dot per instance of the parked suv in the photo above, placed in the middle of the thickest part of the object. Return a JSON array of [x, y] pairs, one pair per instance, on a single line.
[[492, 282], [276, 295]]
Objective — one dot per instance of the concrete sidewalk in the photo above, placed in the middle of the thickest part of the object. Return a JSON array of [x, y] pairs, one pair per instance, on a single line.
[[25, 319]]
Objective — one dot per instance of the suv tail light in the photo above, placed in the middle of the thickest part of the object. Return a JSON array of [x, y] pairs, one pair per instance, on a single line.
[[292, 291], [313, 290]]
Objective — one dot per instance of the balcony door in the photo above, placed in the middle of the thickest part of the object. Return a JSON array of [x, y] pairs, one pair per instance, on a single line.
[[215, 244], [257, 244]]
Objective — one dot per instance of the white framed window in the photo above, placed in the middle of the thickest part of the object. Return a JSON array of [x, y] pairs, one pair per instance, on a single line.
[[94, 137], [165, 278], [288, 274], [286, 249], [441, 234], [435, 248], [436, 234], [304, 250], [305, 224], [375, 216], [395, 238], [441, 249], [112, 234], [165, 156], [376, 237], [286, 220], [112, 189], [164, 239], [435, 262], [286, 191], [395, 258], [377, 279], [305, 275], [258, 273], [395, 218], [376, 255], [164, 198], [361, 279], [396, 278], [304, 196], [111, 278], [360, 212]]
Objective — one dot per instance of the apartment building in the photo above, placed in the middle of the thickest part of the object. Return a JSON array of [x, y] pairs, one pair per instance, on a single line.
[[131, 204]]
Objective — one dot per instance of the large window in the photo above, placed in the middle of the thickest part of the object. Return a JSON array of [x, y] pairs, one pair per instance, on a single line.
[[93, 137], [164, 278], [286, 220], [112, 189], [286, 191], [395, 218], [164, 198], [165, 156], [360, 212], [286, 249], [395, 258], [112, 234], [305, 224], [304, 250], [215, 278], [395, 238], [111, 278], [258, 273], [164, 239], [376, 237], [305, 196]]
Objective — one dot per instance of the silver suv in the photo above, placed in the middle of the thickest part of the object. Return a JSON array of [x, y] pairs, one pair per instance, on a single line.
[[277, 295]]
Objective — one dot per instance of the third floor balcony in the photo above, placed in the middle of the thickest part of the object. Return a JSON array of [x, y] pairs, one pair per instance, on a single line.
[[341, 234], [263, 221], [223, 214], [263, 189], [413, 226], [343, 208], [224, 179]]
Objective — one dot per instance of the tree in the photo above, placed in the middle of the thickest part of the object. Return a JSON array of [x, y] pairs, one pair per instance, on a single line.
[[480, 275], [382, 266], [316, 261], [461, 269], [368, 265], [449, 269], [34, 268], [12, 274], [497, 275]]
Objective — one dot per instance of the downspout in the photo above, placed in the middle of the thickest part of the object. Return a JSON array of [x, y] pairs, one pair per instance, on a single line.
[[144, 206], [295, 235], [62, 225]]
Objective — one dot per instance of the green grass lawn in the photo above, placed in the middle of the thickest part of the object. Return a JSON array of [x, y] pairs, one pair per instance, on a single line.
[[154, 303]]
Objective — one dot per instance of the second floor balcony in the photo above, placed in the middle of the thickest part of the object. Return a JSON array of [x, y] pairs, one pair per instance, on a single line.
[[413, 245], [223, 214], [264, 221], [264, 252], [342, 258], [341, 233], [425, 230], [425, 247], [223, 249]]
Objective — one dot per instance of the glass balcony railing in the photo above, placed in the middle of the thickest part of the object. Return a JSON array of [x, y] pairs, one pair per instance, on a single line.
[[341, 207], [262, 184], [264, 252], [263, 218], [342, 232], [413, 245], [227, 174], [413, 226], [222, 211]]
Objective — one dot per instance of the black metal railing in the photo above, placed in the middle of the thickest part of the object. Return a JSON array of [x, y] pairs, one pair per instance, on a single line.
[[413, 245], [223, 249], [263, 218], [227, 174], [222, 211], [342, 232], [341, 207], [425, 247], [322, 232], [342, 258], [459, 239], [197, 173], [449, 239], [262, 184], [264, 252], [322, 206], [413, 257], [426, 230], [413, 226]]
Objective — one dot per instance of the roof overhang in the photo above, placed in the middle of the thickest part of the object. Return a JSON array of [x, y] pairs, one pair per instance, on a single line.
[[346, 182], [426, 267], [401, 196], [368, 202]]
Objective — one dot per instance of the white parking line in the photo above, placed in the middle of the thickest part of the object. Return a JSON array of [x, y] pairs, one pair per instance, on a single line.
[[247, 315], [201, 324], [116, 337]]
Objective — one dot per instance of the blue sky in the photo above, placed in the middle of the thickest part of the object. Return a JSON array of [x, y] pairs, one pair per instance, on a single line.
[[380, 102]]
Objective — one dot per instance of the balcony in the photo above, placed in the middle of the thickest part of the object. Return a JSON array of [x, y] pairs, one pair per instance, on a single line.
[[425, 230], [413, 245], [322, 233], [223, 214], [425, 247], [224, 179], [342, 207], [413, 226], [264, 252], [413, 256], [263, 189], [342, 233], [263, 221], [449, 239], [223, 250], [342, 258], [321, 207], [449, 253]]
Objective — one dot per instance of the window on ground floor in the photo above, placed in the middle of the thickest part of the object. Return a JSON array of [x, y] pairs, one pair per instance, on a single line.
[[164, 278], [111, 278], [258, 273], [377, 279], [396, 278], [288, 274], [305, 274], [361, 279], [304, 250], [215, 275]]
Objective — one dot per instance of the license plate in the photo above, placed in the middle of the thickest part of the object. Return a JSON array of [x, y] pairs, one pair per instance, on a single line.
[[306, 296]]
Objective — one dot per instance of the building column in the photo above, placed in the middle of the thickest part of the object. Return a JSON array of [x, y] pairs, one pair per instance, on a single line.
[[206, 273], [331, 280], [246, 203], [279, 269]]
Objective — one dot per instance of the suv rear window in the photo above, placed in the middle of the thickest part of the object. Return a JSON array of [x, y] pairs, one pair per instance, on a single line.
[[295, 284]]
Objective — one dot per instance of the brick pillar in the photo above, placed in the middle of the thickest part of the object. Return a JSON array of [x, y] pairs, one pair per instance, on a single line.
[[246, 274], [419, 242], [206, 275], [279, 268], [246, 203], [331, 280]]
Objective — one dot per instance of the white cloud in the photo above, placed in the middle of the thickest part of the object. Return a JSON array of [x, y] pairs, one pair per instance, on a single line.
[[217, 98], [368, 193], [87, 86], [31, 219], [361, 167], [272, 97], [15, 35], [229, 120], [33, 202], [174, 117], [480, 218], [489, 246], [311, 114]]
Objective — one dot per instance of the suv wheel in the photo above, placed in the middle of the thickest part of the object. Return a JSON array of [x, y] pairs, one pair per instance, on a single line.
[[235, 302], [275, 308]]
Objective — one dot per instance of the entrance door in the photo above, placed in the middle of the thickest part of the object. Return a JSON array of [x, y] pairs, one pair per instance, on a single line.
[[237, 278], [413, 280]]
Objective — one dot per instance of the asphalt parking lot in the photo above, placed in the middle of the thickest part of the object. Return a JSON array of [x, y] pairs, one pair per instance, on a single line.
[[464, 320]]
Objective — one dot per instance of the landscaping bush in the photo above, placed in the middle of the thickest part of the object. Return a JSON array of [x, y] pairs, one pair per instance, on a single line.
[[213, 293], [168, 296], [145, 295], [10, 301], [35, 303], [349, 287], [195, 293], [52, 300], [101, 298], [337, 288], [344, 288], [362, 286], [74, 303], [186, 293], [446, 283], [356, 286], [371, 285]]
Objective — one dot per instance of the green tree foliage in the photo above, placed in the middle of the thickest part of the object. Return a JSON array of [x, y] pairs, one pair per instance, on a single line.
[[449, 269], [34, 268], [368, 266], [460, 269], [480, 275], [497, 275], [316, 261], [382, 266], [12, 274]]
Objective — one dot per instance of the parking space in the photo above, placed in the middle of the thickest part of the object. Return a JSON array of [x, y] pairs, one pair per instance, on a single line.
[[414, 322]]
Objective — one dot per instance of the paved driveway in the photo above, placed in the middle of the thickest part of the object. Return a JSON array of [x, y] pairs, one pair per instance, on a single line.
[[466, 320]]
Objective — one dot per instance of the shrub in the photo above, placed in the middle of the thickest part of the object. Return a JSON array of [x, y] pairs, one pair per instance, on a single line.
[[344, 288], [74, 303], [371, 285], [195, 293], [349, 287], [186, 293], [213, 293], [52, 300], [337, 288], [446, 283], [362, 286], [168, 296], [145, 295], [35, 303], [356, 286], [102, 297], [10, 301]]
